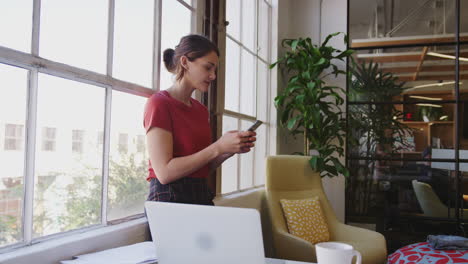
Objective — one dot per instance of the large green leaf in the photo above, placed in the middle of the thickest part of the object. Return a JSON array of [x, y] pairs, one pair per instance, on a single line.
[[307, 105]]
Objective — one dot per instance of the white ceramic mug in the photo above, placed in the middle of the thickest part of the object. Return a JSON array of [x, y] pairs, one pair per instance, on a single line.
[[336, 253]]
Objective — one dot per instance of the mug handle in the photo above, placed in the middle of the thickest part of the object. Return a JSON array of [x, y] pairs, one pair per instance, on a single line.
[[358, 256]]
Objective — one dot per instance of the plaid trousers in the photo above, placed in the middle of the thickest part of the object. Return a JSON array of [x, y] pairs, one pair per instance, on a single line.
[[186, 190]]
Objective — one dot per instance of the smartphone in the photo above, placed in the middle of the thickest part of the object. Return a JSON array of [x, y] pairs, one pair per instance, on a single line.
[[255, 125]]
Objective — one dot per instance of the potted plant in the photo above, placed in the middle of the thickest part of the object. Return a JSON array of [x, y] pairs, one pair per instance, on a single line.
[[375, 129], [378, 122], [309, 107]]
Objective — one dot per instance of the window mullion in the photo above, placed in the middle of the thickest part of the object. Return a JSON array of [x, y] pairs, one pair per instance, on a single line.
[[31, 122], [36, 21], [106, 151], [186, 5], [107, 114], [110, 37], [157, 44]]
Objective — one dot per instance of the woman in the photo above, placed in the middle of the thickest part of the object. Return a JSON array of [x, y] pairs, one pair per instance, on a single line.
[[178, 132]]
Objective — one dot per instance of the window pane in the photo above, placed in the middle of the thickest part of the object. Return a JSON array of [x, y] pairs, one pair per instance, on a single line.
[[13, 97], [68, 38], [133, 41], [248, 23], [176, 23], [263, 30], [231, 96], [67, 192], [229, 167], [262, 90], [248, 95], [260, 151], [233, 16], [16, 24], [128, 167], [246, 162]]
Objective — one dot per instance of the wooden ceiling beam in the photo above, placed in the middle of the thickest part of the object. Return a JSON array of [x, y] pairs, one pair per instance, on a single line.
[[448, 77], [420, 63], [399, 41], [404, 57], [433, 68]]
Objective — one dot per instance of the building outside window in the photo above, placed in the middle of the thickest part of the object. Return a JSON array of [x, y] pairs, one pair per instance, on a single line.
[[100, 139], [123, 143], [13, 137], [48, 138], [77, 141], [141, 143]]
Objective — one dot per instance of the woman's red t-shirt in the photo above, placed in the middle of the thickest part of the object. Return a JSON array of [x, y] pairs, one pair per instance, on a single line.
[[189, 126]]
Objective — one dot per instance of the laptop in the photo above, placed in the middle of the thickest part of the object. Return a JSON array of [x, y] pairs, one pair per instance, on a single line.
[[201, 234]]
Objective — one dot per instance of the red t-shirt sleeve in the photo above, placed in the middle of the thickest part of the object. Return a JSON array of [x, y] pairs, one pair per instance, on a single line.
[[157, 114]]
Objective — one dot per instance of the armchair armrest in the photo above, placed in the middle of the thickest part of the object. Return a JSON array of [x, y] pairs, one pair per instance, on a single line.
[[293, 248]]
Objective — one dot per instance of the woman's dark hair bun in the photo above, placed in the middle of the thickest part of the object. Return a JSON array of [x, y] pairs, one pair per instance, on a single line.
[[168, 57]]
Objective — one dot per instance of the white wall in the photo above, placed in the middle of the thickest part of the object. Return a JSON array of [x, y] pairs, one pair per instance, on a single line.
[[315, 19]]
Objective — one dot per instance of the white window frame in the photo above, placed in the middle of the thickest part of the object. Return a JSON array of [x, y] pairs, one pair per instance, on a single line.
[[35, 65]]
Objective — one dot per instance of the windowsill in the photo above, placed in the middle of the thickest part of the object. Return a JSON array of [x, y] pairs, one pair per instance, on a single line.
[[62, 248]]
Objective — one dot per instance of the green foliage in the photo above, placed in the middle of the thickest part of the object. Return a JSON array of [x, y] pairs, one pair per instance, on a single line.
[[380, 124], [308, 106], [126, 187], [128, 184], [9, 230]]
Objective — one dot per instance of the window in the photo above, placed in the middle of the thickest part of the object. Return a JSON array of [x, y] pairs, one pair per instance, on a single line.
[[247, 88], [13, 137], [406, 119], [100, 139], [123, 143], [77, 141], [66, 80], [141, 145], [48, 138]]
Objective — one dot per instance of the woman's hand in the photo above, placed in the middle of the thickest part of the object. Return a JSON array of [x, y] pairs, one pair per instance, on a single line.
[[236, 142]]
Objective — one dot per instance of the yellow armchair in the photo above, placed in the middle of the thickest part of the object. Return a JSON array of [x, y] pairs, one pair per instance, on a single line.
[[290, 177]]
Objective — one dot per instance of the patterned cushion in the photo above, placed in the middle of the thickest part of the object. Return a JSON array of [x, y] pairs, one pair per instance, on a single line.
[[423, 253], [305, 219]]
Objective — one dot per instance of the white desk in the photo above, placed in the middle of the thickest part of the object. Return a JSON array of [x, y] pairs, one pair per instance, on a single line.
[[140, 253]]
